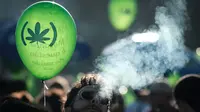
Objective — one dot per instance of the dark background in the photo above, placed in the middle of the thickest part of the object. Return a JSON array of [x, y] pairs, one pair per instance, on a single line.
[[94, 30]]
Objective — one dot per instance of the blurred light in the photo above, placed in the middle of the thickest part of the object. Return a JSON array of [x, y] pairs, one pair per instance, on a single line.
[[122, 13], [198, 51], [123, 90], [146, 37]]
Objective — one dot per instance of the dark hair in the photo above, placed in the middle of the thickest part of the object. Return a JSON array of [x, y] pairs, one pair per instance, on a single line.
[[115, 104], [9, 86], [56, 85], [188, 90], [89, 79], [54, 103], [15, 105], [25, 99]]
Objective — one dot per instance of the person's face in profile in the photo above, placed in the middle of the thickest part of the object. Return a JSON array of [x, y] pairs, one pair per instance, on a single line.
[[184, 107]]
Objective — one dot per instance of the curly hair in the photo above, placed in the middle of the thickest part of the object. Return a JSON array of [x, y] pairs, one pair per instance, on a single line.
[[88, 79], [115, 104]]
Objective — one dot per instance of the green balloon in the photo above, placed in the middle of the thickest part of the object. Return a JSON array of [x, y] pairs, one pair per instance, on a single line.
[[45, 38], [122, 13]]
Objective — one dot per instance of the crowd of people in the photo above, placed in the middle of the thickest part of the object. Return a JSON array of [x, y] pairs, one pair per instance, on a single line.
[[84, 97]]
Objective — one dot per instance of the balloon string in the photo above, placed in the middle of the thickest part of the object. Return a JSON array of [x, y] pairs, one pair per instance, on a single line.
[[45, 88]]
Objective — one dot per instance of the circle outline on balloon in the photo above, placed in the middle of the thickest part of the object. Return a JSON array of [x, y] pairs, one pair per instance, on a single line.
[[52, 26]]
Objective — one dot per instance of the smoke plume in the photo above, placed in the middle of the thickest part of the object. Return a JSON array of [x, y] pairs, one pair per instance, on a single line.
[[142, 58]]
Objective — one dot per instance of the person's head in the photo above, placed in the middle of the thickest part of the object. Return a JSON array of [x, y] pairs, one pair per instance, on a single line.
[[60, 83], [16, 89], [187, 93], [161, 97], [9, 86], [117, 103], [84, 96], [16, 105], [56, 94], [160, 92], [53, 103]]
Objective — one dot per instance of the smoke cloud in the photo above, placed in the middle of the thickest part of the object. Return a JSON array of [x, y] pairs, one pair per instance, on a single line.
[[142, 58]]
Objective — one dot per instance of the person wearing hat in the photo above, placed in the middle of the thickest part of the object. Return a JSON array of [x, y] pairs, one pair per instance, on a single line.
[[187, 93]]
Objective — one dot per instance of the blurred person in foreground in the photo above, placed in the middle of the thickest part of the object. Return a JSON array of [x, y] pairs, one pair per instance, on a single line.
[[160, 97], [141, 104], [15, 105], [117, 104], [84, 97], [187, 93], [14, 89], [56, 95]]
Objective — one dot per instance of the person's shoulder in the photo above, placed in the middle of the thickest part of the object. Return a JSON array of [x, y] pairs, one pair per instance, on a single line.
[[16, 105]]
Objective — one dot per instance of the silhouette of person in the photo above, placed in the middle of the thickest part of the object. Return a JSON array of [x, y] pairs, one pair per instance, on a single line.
[[187, 93]]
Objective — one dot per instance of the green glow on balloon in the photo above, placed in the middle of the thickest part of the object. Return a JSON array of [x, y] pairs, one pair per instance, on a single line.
[[45, 38], [122, 13]]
